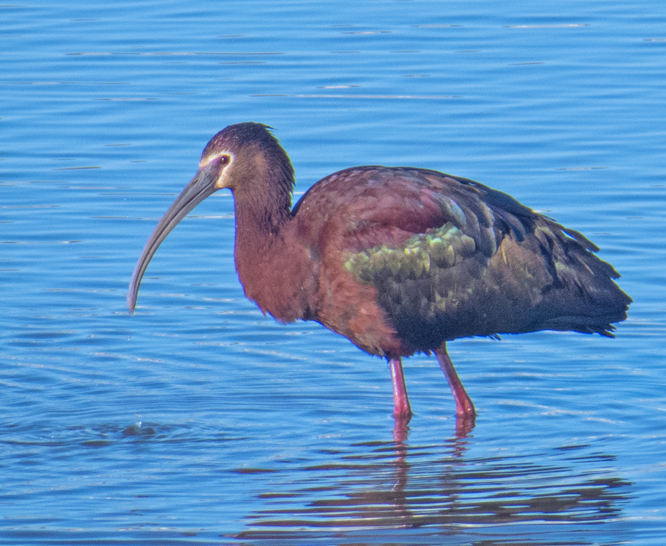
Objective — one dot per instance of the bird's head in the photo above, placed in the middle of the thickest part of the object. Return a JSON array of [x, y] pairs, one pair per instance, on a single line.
[[247, 159], [243, 156]]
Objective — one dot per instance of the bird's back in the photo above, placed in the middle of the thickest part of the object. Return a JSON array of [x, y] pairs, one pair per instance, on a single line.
[[445, 257]]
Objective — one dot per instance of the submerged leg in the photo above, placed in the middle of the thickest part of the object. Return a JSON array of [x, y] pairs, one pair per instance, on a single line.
[[464, 406], [400, 398]]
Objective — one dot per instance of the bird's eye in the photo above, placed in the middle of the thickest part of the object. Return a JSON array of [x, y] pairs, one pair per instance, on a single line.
[[224, 160]]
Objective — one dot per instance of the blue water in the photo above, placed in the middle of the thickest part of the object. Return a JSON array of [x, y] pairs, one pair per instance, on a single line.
[[199, 420]]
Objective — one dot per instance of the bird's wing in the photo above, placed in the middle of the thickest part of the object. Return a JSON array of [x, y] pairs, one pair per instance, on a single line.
[[418, 201], [451, 258], [386, 206]]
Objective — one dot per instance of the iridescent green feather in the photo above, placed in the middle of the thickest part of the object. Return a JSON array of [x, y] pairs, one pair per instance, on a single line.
[[442, 248]]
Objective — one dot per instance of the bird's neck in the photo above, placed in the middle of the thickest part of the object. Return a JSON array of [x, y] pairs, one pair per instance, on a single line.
[[268, 259], [259, 236]]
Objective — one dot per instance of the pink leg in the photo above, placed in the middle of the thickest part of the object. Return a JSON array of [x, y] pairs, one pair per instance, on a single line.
[[464, 406], [400, 398]]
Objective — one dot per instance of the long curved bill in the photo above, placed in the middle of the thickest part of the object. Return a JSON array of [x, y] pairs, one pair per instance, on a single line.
[[200, 187]]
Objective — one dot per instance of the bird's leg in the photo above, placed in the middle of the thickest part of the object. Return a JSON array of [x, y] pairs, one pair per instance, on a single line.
[[464, 406], [400, 399]]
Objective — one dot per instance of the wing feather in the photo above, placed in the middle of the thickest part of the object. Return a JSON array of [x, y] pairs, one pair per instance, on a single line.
[[449, 257]]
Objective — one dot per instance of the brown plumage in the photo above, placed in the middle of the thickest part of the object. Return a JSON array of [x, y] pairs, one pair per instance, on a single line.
[[398, 260]]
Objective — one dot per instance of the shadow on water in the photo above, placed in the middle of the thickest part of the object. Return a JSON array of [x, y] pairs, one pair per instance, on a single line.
[[386, 492]]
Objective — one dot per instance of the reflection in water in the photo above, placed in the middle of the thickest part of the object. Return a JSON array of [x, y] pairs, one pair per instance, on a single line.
[[464, 426], [392, 486]]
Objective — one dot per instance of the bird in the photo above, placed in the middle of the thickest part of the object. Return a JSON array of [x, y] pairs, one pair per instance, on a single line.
[[399, 260]]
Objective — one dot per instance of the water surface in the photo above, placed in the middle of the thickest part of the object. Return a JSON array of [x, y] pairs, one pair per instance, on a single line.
[[199, 420]]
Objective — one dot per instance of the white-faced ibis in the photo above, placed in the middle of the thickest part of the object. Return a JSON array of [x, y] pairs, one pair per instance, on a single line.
[[398, 260]]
